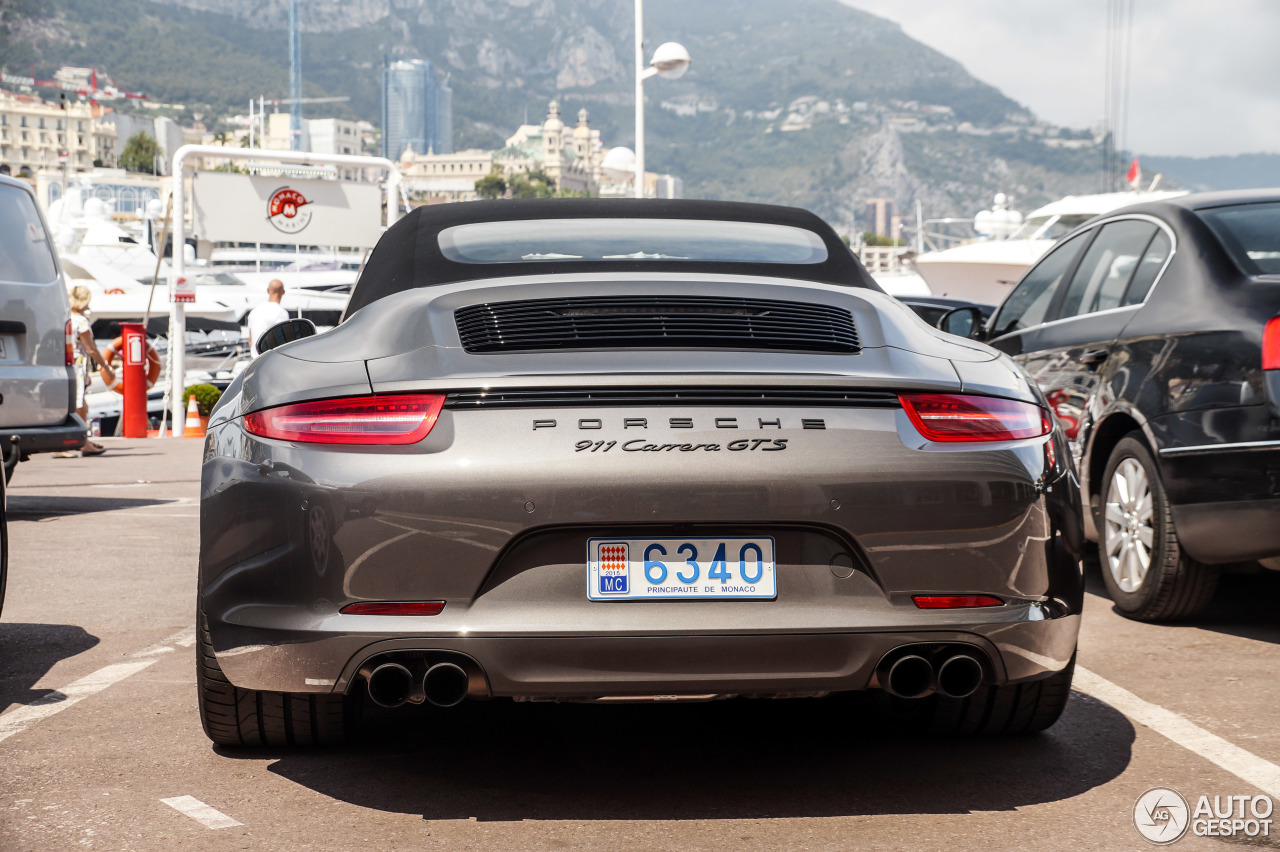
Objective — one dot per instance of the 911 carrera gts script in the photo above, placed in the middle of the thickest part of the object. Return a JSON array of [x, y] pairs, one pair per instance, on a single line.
[[595, 423], [639, 445]]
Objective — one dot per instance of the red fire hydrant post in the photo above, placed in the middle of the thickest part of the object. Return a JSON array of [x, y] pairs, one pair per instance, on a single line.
[[134, 374]]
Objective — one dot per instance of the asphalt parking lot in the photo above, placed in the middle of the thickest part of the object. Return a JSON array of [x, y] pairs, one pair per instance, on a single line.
[[101, 748]]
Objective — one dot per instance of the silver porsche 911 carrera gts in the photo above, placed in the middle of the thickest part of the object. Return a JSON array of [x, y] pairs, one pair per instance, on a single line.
[[589, 450]]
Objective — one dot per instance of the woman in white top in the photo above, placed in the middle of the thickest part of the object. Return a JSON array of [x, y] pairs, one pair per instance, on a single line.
[[86, 350]]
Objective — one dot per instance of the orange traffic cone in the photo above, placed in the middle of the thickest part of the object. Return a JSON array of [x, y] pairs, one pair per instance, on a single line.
[[193, 428]]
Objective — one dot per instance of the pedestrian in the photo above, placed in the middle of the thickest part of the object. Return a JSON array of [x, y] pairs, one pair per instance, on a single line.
[[86, 351], [269, 313]]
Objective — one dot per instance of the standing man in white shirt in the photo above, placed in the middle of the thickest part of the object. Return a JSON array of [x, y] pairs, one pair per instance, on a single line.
[[266, 315]]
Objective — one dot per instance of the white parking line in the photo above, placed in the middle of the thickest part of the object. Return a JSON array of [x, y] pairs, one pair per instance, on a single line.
[[1246, 766], [200, 812], [24, 716]]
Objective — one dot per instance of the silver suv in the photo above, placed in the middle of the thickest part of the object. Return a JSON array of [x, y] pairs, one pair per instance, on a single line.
[[37, 379]]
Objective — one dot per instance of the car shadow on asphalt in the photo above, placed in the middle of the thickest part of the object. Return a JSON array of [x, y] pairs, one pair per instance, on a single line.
[[40, 508], [28, 651], [742, 759], [1244, 604]]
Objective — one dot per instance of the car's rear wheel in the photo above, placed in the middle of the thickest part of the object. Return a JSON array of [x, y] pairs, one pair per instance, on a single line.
[[1145, 570], [1011, 708], [246, 717]]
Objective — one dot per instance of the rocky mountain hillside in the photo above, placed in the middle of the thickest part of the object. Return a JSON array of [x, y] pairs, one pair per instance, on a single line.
[[805, 102]]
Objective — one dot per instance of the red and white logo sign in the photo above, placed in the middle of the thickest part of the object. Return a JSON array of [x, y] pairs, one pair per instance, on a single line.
[[288, 210]]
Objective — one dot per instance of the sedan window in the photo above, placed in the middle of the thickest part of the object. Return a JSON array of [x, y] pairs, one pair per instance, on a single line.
[[1250, 233], [1030, 300], [1148, 270], [1103, 275]]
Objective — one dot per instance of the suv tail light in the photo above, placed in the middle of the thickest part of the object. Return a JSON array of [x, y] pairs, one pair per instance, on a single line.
[[1271, 345], [71, 345], [953, 418], [392, 419]]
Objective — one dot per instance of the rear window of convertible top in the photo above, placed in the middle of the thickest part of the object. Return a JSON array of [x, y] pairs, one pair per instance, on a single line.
[[568, 240]]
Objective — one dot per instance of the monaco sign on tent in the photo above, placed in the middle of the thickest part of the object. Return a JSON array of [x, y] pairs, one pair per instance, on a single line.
[[253, 209]]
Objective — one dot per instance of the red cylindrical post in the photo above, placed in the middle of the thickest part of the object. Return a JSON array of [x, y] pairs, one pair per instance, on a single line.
[[134, 374]]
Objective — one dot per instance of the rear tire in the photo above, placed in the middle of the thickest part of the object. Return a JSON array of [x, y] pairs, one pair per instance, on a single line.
[[1137, 528], [1004, 709], [244, 717]]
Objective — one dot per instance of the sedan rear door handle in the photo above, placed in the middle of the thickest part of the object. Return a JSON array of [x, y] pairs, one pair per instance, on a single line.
[[1094, 356]]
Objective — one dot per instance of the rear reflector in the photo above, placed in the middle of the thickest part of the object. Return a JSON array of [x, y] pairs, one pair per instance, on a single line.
[[398, 419], [955, 601], [955, 417], [1271, 345], [394, 608]]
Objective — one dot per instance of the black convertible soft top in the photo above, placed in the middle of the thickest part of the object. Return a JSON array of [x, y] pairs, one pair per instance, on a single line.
[[409, 254]]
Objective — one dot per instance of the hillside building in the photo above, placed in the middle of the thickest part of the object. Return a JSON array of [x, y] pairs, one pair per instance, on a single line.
[[437, 178], [570, 156], [417, 109], [164, 130], [879, 219], [35, 134], [335, 136]]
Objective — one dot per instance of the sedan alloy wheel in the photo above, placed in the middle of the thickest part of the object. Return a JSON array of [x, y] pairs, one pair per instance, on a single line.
[[1147, 573], [1128, 532]]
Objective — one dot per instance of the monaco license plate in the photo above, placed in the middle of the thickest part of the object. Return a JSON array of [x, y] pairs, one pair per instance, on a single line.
[[632, 569]]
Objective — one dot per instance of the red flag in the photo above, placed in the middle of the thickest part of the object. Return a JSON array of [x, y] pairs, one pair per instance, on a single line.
[[1135, 174]]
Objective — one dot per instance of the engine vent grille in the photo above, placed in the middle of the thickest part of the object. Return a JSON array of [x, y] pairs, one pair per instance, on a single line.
[[587, 397], [655, 322]]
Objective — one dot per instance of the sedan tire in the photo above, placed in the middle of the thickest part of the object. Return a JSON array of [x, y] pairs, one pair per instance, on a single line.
[[1145, 570], [246, 717]]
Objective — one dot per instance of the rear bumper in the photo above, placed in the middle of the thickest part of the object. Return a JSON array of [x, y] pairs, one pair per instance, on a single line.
[[67, 435], [1021, 642], [493, 518]]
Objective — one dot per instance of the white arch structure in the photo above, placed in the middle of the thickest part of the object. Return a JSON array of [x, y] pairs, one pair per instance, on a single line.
[[177, 310]]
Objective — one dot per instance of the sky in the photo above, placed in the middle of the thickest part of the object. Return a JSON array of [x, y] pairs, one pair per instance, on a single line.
[[1205, 74]]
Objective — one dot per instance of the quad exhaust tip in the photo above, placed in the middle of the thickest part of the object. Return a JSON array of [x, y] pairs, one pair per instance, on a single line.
[[446, 684], [390, 685], [959, 676], [915, 676], [910, 676]]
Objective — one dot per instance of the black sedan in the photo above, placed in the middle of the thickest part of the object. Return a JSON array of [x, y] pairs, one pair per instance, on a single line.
[[579, 450], [1154, 333]]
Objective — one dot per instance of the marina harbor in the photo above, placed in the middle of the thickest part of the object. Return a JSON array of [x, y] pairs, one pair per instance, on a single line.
[[639, 425]]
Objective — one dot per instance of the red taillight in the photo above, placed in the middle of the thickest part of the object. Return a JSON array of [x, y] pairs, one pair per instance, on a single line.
[[395, 419], [394, 608], [71, 345], [953, 417], [955, 601], [1271, 345]]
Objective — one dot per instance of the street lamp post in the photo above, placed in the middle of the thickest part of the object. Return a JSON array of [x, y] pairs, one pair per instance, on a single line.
[[670, 60]]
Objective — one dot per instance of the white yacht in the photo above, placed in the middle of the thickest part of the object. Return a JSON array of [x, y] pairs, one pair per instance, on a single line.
[[118, 268], [985, 271]]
